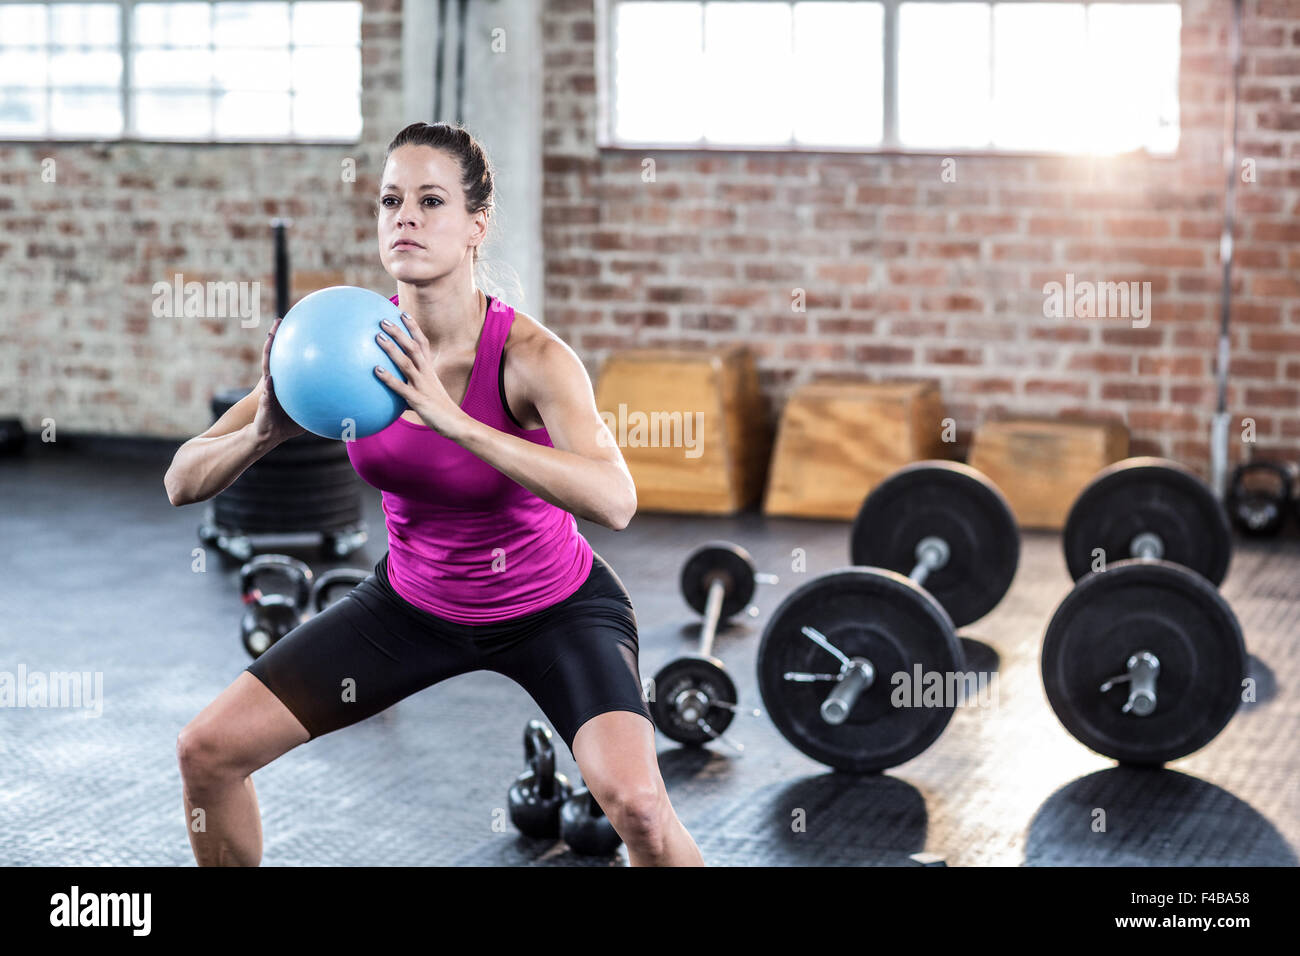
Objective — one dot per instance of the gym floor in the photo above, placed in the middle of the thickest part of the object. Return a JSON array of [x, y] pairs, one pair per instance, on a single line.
[[96, 576]]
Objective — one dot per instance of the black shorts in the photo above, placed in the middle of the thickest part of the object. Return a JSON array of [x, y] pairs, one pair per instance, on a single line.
[[577, 658]]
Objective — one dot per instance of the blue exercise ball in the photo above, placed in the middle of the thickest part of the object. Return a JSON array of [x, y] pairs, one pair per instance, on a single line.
[[323, 363]]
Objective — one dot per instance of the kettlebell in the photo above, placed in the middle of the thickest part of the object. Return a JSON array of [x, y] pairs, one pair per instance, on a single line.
[[332, 581], [1258, 497], [269, 617], [538, 792], [584, 826]]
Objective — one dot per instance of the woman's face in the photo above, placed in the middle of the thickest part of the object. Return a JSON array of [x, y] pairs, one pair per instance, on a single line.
[[424, 230]]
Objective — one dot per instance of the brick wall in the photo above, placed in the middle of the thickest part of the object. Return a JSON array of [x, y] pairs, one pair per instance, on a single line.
[[905, 275], [909, 276], [79, 257]]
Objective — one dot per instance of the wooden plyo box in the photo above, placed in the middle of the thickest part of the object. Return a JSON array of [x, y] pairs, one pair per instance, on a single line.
[[690, 424], [838, 440], [1041, 465]]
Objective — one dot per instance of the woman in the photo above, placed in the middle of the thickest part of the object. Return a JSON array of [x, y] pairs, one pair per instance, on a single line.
[[500, 447]]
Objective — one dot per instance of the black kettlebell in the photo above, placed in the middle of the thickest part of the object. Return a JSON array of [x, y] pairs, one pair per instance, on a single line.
[[332, 581], [584, 826], [270, 617], [1258, 496], [538, 792]]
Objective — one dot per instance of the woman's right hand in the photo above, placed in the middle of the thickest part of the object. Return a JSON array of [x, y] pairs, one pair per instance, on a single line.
[[271, 424]]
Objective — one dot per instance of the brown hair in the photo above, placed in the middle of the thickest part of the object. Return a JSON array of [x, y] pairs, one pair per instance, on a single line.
[[476, 170]]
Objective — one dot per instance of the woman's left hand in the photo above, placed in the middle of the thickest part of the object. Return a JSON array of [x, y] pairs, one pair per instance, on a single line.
[[422, 390]]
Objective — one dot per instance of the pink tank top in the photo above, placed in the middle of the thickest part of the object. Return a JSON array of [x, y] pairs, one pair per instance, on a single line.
[[465, 542]]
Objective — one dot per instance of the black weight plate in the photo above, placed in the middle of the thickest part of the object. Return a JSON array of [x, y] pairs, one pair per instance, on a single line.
[[1144, 605], [309, 510], [730, 561], [865, 612], [261, 522], [1154, 495], [290, 494], [291, 456], [318, 472], [952, 501], [228, 513], [705, 674]]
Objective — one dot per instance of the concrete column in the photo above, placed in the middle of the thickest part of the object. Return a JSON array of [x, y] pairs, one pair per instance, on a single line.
[[501, 102]]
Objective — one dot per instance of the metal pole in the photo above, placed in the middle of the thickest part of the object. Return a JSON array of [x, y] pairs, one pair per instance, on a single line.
[[1219, 428]]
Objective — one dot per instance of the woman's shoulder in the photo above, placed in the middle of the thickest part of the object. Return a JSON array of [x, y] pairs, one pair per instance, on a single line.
[[532, 342]]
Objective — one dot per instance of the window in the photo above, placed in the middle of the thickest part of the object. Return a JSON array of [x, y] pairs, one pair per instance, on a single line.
[[209, 71], [892, 74]]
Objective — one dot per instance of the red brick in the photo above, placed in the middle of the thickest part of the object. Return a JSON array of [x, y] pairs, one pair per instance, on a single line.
[[1283, 342], [846, 326], [986, 224], [1137, 227], [1185, 365], [1130, 391], [916, 222], [954, 356], [1071, 227], [1273, 397], [947, 250], [845, 273], [1061, 333], [1101, 362], [1056, 387], [1191, 394], [874, 195], [1240, 366], [932, 276], [1133, 338], [884, 354]]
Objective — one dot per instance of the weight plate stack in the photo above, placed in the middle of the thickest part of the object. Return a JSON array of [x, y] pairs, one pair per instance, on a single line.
[[306, 484]]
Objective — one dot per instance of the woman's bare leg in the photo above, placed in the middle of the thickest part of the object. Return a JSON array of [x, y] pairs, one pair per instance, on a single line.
[[616, 756], [244, 729]]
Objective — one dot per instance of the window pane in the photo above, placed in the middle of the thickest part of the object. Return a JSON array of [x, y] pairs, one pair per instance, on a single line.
[[86, 112], [173, 115], [23, 23], [94, 24], [748, 91], [658, 72], [85, 67], [172, 24], [251, 24], [943, 74], [1039, 67], [22, 112], [838, 70], [326, 117], [335, 68], [1133, 53], [245, 69], [172, 68], [326, 23], [22, 68], [253, 115]]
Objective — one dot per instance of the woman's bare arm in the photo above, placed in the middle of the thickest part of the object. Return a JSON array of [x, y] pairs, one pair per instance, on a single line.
[[584, 473], [209, 463]]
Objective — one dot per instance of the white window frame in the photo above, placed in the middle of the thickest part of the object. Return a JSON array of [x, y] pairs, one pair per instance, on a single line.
[[127, 101], [889, 144]]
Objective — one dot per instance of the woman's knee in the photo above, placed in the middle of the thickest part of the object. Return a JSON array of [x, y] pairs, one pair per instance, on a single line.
[[638, 808], [205, 755], [244, 729]]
